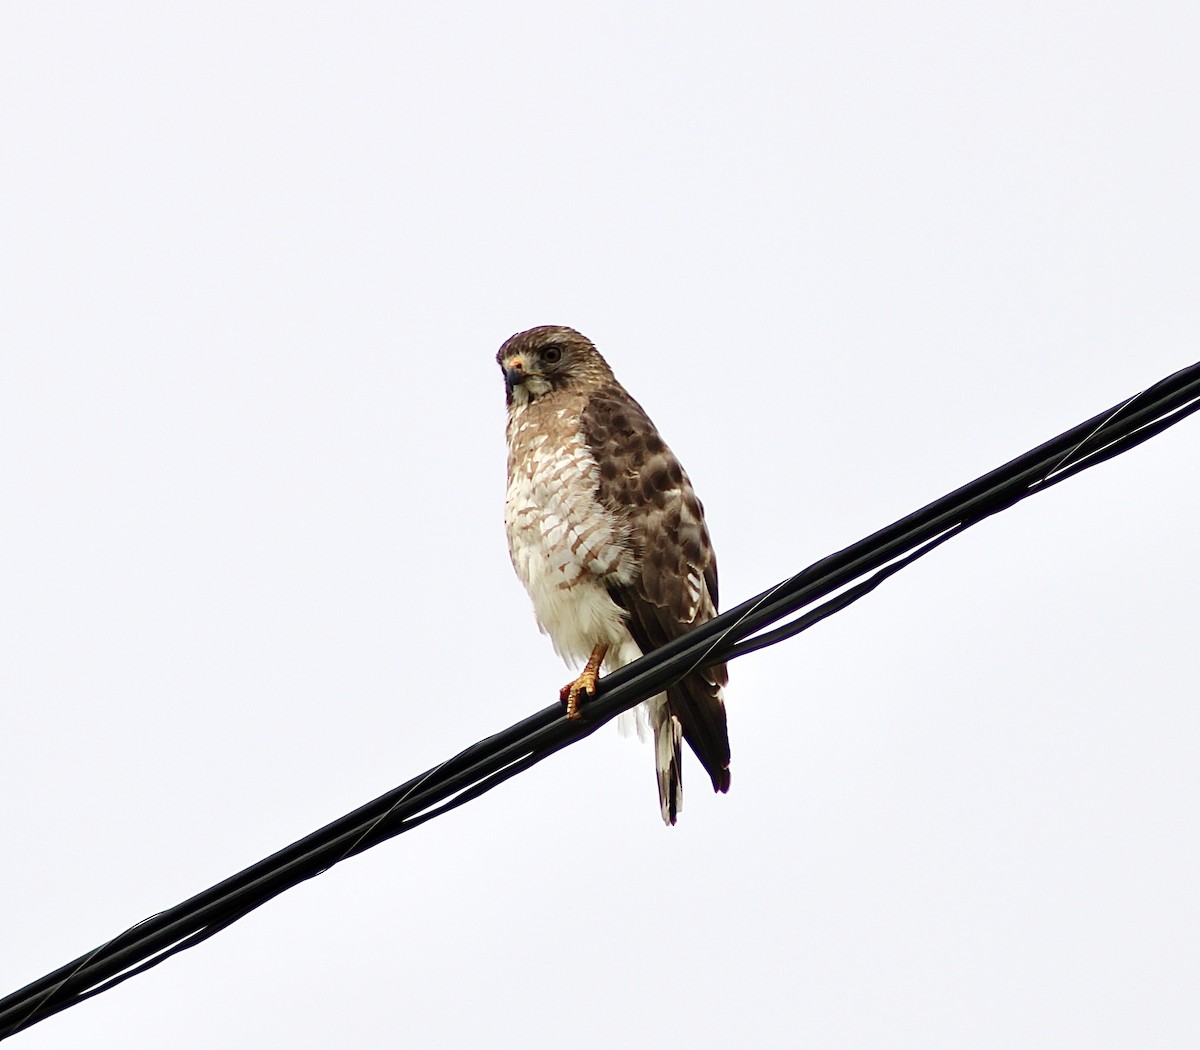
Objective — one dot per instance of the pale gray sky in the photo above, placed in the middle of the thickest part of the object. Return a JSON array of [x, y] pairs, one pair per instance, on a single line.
[[256, 259]]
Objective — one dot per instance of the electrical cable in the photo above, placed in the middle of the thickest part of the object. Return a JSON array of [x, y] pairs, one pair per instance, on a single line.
[[847, 575]]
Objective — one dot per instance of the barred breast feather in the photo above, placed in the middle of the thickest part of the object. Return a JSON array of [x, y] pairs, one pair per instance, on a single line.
[[564, 545]]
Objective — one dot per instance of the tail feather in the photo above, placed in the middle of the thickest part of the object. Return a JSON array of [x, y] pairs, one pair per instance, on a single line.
[[668, 741], [697, 700]]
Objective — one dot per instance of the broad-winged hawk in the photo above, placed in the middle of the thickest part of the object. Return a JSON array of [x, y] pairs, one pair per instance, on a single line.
[[609, 539]]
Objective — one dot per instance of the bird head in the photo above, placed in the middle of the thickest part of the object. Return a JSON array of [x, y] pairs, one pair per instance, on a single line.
[[545, 359]]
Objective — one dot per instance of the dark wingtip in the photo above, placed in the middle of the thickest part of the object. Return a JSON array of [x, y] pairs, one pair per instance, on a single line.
[[721, 780]]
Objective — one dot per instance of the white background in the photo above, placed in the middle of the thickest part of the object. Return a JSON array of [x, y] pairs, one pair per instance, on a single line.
[[255, 260]]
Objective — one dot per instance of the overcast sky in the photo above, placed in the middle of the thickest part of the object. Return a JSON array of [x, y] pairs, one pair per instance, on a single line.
[[255, 261]]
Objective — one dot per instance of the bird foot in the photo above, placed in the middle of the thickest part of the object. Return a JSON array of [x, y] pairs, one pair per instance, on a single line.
[[585, 684], [569, 693]]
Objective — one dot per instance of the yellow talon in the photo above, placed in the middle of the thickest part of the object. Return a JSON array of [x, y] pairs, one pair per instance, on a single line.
[[585, 683]]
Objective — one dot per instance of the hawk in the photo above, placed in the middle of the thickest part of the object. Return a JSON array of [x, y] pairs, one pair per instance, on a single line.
[[608, 537]]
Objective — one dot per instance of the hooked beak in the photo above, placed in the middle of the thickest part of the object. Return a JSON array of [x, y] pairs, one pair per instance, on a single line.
[[514, 375]]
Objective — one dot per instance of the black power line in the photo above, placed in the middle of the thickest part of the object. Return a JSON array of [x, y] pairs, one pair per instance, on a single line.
[[840, 579]]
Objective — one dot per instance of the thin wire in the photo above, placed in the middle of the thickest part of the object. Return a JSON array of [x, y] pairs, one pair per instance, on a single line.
[[838, 603], [1072, 452], [838, 578], [704, 659]]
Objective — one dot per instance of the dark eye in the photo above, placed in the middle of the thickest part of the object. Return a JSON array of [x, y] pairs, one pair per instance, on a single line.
[[552, 354]]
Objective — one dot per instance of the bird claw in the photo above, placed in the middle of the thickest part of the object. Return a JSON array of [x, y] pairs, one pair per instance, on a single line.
[[569, 694], [585, 683]]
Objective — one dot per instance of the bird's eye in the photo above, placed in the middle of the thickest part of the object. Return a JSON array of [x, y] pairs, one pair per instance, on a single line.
[[552, 354]]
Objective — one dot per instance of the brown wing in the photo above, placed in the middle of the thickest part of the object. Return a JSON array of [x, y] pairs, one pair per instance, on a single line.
[[643, 482]]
